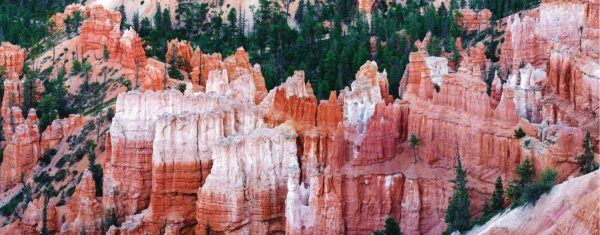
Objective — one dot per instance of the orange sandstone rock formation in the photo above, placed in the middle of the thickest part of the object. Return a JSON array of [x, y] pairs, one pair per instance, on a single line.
[[85, 213], [31, 221], [182, 52], [127, 49], [60, 129], [22, 148], [97, 26], [529, 38], [474, 21], [12, 58]]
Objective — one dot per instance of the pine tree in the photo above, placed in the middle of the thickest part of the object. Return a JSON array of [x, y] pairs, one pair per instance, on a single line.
[[434, 47], [453, 5], [207, 230], [414, 142], [299, 12], [158, 20], [123, 17], [166, 16], [77, 20], [136, 21], [525, 171], [29, 92], [457, 216], [498, 196], [105, 53], [44, 230], [586, 160]]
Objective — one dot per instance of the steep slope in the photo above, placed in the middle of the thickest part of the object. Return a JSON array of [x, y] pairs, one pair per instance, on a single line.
[[570, 208]]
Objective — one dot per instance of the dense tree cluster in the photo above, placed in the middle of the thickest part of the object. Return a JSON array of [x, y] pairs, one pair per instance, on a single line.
[[327, 39], [527, 189], [24, 22]]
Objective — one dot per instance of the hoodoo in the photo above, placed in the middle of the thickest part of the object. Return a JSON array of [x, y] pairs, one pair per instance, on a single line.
[[300, 117]]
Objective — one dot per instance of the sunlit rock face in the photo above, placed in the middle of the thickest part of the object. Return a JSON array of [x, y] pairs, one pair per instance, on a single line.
[[22, 136], [60, 129], [366, 6], [474, 21], [127, 49], [529, 37], [97, 27], [576, 80], [22, 147], [85, 213], [180, 52], [174, 149], [12, 58], [246, 189], [92, 12], [527, 85], [438, 67]]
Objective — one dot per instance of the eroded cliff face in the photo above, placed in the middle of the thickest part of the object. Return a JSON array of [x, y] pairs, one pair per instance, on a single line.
[[21, 133], [200, 65], [228, 155], [60, 129], [85, 214], [12, 58], [187, 144], [530, 36]]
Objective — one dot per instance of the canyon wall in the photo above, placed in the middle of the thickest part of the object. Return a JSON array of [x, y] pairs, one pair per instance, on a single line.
[[176, 147], [530, 37], [230, 155]]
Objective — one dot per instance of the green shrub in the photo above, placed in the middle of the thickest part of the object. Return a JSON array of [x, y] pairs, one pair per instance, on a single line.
[[47, 157], [126, 83], [43, 178], [533, 191], [525, 171], [50, 191], [76, 68], [175, 73], [110, 114], [97, 174], [10, 207], [181, 87], [548, 175], [60, 175], [61, 162], [62, 201], [78, 155], [586, 160], [519, 133], [71, 190], [514, 190]]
